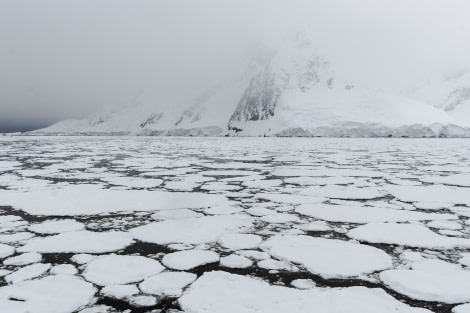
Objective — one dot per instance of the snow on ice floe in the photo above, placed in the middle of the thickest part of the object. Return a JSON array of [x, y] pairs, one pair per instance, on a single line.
[[52, 294], [303, 283], [63, 269], [82, 258], [463, 308], [235, 261], [56, 226], [16, 237], [465, 260], [254, 295], [80, 241], [365, 214], [175, 214], [328, 258], [91, 200], [120, 269], [120, 291], [27, 272], [169, 284], [6, 251], [433, 193], [454, 180], [10, 222], [189, 259], [24, 259], [431, 280], [191, 230], [134, 182], [450, 225], [290, 198], [411, 235], [240, 241]]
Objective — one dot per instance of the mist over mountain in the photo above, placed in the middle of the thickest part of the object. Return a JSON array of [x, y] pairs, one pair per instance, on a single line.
[[194, 61], [291, 91]]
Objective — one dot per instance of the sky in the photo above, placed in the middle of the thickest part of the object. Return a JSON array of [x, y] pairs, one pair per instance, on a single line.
[[67, 59]]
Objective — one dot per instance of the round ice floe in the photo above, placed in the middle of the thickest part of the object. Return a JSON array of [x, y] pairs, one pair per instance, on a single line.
[[364, 214], [6, 251], [465, 260], [222, 210], [73, 200], [254, 254], [56, 227], [188, 259], [120, 269], [270, 264], [411, 235], [53, 294], [143, 301], [315, 226], [175, 214], [256, 296], [433, 193], [64, 269], [168, 284], [81, 241], [240, 241], [235, 261], [191, 230], [448, 225], [303, 283], [275, 217], [82, 258], [431, 280], [120, 291], [24, 259], [463, 308], [327, 257], [28, 272], [16, 237], [432, 205], [98, 309]]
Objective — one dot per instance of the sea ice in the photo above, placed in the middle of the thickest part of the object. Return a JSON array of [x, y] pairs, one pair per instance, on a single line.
[[6, 251], [24, 259], [365, 214], [328, 257], [76, 200], [120, 269], [240, 241], [188, 259], [28, 272], [63, 269], [168, 284], [80, 241], [411, 235], [191, 230], [217, 289], [431, 280], [56, 226], [52, 294], [120, 291], [433, 193], [235, 261]]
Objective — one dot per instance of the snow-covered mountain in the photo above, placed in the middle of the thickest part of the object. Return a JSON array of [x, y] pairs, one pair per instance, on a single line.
[[450, 93], [293, 92]]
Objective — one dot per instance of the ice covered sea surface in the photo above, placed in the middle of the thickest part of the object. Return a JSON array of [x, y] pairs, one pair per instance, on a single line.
[[222, 225]]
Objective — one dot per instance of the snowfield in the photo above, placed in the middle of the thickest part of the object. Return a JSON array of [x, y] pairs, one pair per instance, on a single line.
[[159, 224]]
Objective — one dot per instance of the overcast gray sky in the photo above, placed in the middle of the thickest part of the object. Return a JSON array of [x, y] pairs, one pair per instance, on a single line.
[[63, 59]]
